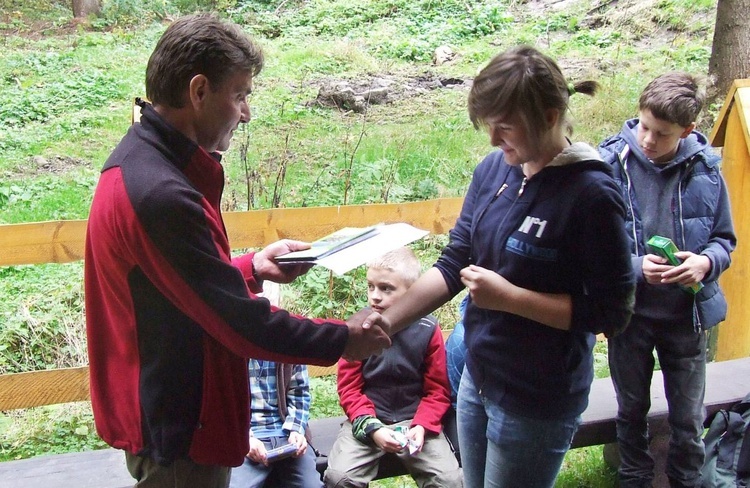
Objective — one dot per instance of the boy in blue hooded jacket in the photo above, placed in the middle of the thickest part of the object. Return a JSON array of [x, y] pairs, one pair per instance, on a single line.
[[672, 186]]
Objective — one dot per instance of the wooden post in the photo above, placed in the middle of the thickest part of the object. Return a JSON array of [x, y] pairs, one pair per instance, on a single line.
[[732, 132]]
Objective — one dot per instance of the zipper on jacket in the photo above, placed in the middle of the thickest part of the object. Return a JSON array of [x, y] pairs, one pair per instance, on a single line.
[[523, 185], [499, 192], [623, 158]]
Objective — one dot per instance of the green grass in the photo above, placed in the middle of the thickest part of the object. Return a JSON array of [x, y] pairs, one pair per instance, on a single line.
[[52, 429], [66, 94], [71, 94]]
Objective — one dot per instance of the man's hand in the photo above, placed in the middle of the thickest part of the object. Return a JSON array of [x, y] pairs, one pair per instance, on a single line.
[[373, 319], [257, 452], [362, 342], [383, 438], [298, 440], [266, 267]]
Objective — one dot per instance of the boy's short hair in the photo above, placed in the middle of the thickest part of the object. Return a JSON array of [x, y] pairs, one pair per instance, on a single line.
[[198, 44], [401, 261], [675, 97]]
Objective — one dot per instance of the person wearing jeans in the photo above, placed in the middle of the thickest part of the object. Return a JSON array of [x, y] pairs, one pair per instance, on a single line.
[[528, 451], [541, 246]]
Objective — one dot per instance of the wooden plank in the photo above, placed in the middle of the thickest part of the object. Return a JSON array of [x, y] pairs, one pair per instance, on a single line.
[[49, 387], [260, 228], [742, 100], [36, 388], [727, 382], [63, 241], [104, 468], [718, 133], [42, 242], [733, 334], [317, 371]]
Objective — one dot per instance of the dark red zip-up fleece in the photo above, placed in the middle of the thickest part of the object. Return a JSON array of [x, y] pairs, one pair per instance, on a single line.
[[170, 316]]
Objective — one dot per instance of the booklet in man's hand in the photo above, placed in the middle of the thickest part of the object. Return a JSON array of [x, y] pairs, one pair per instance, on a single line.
[[329, 244], [350, 247]]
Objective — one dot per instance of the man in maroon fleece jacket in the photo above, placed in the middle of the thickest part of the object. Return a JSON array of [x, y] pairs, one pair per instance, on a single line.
[[171, 317]]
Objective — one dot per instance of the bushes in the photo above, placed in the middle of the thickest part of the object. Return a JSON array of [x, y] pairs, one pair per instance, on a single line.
[[44, 330]]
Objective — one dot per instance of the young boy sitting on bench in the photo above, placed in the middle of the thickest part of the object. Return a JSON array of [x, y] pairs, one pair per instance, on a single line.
[[395, 401]]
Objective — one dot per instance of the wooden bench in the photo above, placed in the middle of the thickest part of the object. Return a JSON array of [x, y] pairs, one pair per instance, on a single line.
[[727, 383]]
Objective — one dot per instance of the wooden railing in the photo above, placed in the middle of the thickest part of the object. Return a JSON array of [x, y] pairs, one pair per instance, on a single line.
[[63, 242]]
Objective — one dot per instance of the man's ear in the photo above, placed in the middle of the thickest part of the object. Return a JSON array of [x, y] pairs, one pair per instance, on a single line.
[[687, 130], [199, 87]]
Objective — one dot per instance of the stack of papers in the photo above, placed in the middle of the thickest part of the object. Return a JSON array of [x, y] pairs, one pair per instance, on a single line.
[[350, 247]]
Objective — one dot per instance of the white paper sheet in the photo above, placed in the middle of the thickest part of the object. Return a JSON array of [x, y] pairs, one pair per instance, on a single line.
[[388, 238]]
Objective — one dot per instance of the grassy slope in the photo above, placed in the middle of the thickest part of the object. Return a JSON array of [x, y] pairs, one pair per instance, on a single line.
[[68, 96], [65, 94]]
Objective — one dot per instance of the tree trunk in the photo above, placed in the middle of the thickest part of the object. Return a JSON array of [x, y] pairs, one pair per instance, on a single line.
[[84, 8], [730, 55]]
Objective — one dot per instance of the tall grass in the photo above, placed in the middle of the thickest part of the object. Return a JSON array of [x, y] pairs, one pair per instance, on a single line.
[[66, 94]]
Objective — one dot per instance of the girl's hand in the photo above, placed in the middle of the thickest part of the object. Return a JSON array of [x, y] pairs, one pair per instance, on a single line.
[[487, 289]]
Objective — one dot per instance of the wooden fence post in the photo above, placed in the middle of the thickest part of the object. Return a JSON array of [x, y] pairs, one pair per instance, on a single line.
[[732, 132]]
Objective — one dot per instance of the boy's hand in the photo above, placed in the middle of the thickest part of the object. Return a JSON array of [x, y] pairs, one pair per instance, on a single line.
[[299, 441], [383, 438], [653, 267], [266, 268], [362, 342], [416, 435], [693, 269], [257, 452]]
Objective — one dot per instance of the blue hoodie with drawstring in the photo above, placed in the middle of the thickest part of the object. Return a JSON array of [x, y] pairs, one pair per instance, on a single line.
[[697, 218], [560, 231]]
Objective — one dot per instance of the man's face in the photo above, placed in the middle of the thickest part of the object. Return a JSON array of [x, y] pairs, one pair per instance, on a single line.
[[384, 288], [658, 138], [222, 111]]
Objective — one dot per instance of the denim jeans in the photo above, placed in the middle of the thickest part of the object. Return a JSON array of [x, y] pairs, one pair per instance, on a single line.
[[290, 472], [682, 357], [503, 449]]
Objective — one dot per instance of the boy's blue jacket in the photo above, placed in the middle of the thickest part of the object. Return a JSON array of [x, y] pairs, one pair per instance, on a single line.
[[562, 231], [703, 219]]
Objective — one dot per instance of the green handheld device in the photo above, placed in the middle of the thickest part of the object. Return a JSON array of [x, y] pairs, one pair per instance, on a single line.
[[664, 247]]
